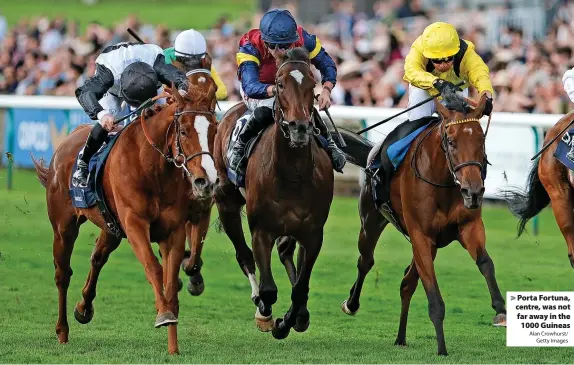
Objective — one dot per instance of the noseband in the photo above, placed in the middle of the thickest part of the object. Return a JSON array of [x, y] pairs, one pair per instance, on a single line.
[[451, 167], [181, 158], [283, 123]]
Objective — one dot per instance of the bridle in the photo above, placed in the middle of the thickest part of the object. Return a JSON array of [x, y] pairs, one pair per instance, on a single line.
[[284, 123], [181, 158], [444, 145]]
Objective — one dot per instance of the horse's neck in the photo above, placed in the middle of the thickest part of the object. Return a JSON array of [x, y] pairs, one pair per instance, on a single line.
[[437, 168], [156, 129], [288, 159]]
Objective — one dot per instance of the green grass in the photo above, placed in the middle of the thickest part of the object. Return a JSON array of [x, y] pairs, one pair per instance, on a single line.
[[218, 327], [179, 14]]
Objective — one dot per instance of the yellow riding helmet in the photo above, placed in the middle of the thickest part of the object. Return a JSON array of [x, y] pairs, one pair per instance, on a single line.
[[440, 40]]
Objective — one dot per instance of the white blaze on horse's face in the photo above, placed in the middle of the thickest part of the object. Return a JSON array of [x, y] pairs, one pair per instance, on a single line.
[[298, 76], [468, 130], [202, 127], [201, 79]]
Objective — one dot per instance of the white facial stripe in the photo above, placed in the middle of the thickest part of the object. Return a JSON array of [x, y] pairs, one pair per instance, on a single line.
[[297, 75], [202, 127], [468, 130], [201, 79]]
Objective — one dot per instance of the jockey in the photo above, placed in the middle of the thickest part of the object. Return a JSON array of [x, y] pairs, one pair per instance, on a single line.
[[130, 72], [189, 50], [568, 82], [258, 49], [439, 59]]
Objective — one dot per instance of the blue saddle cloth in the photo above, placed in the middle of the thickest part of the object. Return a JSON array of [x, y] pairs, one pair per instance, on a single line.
[[238, 177], [564, 146], [93, 193]]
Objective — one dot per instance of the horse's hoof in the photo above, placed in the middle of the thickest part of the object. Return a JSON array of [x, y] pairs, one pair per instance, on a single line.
[[401, 342], [165, 319], [62, 336], [499, 320], [280, 331], [195, 289], [179, 284], [443, 353], [346, 309], [264, 324], [301, 327], [84, 317]]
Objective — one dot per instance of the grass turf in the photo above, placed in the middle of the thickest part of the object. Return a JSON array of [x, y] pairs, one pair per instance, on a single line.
[[218, 326]]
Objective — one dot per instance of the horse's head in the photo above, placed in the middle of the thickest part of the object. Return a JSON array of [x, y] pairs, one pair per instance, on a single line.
[[195, 128], [294, 98], [463, 141]]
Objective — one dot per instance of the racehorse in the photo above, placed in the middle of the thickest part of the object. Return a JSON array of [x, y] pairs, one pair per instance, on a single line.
[[288, 192], [436, 198], [549, 181], [155, 167]]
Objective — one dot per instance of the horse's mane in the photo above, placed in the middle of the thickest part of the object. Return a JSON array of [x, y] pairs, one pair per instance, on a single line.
[[155, 109], [295, 54]]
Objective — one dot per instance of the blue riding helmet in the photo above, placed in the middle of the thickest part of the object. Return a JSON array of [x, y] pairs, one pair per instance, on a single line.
[[278, 27]]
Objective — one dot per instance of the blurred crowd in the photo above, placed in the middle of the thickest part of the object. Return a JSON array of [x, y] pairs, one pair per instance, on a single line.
[[42, 56]]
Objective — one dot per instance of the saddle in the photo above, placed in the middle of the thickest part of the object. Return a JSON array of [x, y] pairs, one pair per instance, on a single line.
[[93, 193]]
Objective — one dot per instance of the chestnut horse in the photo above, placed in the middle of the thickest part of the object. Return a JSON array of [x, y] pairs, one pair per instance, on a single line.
[[549, 181], [288, 192], [437, 199], [148, 190]]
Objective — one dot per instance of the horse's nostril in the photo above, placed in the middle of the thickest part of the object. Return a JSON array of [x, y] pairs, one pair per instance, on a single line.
[[200, 183], [464, 191], [216, 181]]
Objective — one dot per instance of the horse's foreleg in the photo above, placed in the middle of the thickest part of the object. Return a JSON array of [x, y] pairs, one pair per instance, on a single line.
[[105, 245], [298, 314], [196, 235], [372, 225], [286, 248], [138, 234], [263, 247], [408, 287], [423, 257], [173, 250], [562, 207], [230, 216], [62, 250], [473, 238]]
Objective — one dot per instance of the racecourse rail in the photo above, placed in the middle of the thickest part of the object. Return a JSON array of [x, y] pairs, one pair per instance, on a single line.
[[36, 124]]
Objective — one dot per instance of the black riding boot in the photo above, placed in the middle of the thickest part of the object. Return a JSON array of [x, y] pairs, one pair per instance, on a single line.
[[338, 158], [259, 119], [95, 140]]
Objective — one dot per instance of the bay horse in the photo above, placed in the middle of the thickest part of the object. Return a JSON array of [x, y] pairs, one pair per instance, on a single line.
[[548, 181], [288, 192], [148, 179], [437, 199]]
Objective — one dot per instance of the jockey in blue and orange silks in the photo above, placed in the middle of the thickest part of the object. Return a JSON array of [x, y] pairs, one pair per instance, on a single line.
[[258, 49]]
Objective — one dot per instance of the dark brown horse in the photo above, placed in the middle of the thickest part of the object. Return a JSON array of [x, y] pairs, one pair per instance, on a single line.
[[548, 181], [436, 194], [154, 168], [289, 190]]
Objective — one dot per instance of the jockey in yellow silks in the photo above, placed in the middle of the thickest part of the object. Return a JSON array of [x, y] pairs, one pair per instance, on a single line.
[[437, 61]]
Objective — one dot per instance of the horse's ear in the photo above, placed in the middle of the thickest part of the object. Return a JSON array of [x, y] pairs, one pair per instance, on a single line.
[[206, 61], [175, 94], [442, 110], [477, 112]]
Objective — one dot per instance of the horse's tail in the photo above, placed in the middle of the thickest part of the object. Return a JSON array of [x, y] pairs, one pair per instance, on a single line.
[[41, 171], [358, 148], [525, 204]]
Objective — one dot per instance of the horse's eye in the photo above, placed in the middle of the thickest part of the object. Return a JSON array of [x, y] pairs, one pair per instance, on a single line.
[[183, 133], [450, 142], [280, 85]]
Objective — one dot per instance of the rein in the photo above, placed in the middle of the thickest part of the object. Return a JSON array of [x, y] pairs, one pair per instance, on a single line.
[[452, 168], [181, 159]]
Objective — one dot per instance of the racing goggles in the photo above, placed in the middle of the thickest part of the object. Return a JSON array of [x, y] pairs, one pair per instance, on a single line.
[[278, 45], [438, 61]]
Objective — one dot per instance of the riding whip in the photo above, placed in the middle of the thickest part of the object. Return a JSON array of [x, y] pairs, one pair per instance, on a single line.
[[404, 111], [133, 34], [545, 147], [339, 136]]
